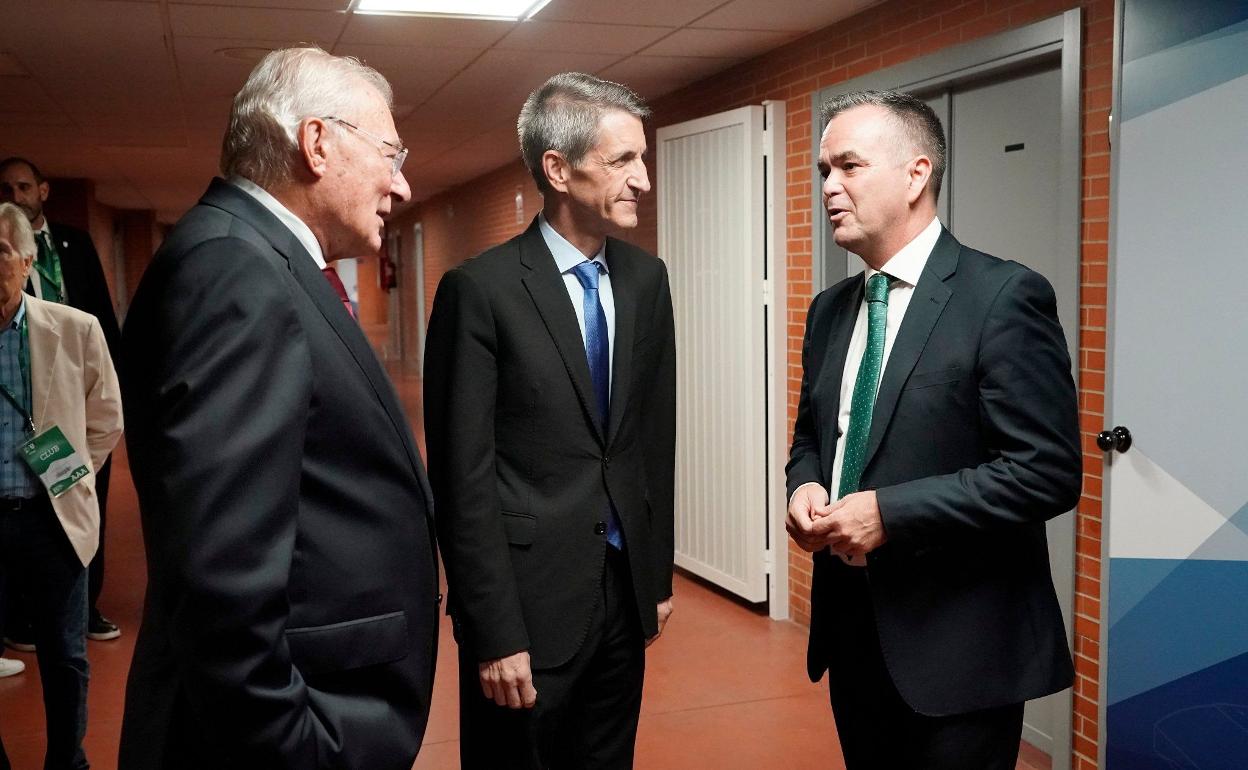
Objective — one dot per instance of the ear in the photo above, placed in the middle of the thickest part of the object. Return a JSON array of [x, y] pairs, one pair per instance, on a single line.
[[312, 137], [27, 263], [920, 173], [557, 170], [43, 192]]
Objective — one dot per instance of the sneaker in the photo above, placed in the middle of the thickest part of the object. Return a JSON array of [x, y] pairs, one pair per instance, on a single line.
[[10, 667], [100, 628], [19, 643]]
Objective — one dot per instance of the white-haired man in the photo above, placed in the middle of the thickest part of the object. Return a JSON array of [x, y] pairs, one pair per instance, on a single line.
[[291, 611], [59, 402]]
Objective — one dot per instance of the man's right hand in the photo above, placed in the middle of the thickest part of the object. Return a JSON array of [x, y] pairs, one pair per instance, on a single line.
[[509, 681], [809, 502]]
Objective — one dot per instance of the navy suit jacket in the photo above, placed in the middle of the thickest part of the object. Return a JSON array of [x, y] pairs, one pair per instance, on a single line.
[[974, 444], [522, 470], [291, 614]]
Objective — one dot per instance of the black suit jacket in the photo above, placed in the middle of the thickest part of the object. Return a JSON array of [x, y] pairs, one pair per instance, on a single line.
[[521, 470], [85, 285], [974, 444], [291, 610]]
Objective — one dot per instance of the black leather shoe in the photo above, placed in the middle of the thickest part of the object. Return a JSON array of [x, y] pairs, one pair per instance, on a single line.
[[100, 628]]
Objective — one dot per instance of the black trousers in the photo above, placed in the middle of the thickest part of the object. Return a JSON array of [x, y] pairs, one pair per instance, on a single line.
[[879, 731], [95, 570], [587, 709]]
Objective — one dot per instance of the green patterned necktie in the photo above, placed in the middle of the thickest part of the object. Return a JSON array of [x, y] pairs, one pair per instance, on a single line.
[[48, 265], [865, 385]]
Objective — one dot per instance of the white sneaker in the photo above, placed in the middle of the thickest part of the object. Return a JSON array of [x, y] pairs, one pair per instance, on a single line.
[[10, 667]]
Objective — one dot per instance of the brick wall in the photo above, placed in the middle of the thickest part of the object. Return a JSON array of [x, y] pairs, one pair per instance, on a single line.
[[879, 37]]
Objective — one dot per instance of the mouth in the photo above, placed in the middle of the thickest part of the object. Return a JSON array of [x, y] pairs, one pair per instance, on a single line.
[[835, 215]]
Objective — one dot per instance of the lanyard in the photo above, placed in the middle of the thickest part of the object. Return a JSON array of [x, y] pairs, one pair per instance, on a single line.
[[23, 359]]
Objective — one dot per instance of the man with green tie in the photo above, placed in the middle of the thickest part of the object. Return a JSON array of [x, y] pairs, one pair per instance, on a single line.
[[936, 432], [67, 271]]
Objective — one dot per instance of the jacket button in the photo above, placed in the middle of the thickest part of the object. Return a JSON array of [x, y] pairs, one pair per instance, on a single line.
[[600, 528]]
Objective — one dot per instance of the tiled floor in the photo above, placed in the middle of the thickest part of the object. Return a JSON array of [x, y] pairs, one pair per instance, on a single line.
[[725, 687]]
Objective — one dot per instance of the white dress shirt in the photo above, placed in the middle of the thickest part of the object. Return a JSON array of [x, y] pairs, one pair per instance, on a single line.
[[567, 257], [42, 236], [284, 215]]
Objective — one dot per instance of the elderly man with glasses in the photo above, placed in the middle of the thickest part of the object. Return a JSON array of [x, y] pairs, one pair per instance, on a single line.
[[291, 612]]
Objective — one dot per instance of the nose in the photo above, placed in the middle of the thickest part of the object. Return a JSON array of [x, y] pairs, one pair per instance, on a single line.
[[399, 188], [640, 179], [830, 187]]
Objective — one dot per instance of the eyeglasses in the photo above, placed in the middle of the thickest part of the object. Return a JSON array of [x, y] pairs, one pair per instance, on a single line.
[[399, 150]]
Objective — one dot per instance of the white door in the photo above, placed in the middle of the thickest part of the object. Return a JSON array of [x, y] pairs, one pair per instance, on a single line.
[[1176, 658], [718, 236]]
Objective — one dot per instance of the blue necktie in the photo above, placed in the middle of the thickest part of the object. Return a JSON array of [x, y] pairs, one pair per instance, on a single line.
[[598, 351]]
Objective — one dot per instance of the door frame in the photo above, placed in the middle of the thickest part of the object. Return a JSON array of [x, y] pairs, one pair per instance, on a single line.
[[1058, 36]]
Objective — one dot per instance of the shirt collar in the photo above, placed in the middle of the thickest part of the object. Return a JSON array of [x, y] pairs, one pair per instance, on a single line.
[[16, 323], [44, 228], [284, 215], [907, 265], [566, 255]]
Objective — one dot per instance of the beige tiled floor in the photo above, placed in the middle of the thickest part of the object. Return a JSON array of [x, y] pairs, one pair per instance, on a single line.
[[725, 686]]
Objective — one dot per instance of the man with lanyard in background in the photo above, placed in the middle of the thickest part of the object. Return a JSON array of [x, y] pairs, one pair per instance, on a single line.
[[67, 271], [60, 416]]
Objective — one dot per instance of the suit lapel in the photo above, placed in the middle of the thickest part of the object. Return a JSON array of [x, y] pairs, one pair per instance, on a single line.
[[312, 281], [45, 349], [624, 292], [550, 295], [926, 304], [841, 327]]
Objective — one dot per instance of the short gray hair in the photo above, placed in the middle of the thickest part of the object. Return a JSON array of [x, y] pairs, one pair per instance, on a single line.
[[287, 86], [917, 121], [19, 229], [563, 116]]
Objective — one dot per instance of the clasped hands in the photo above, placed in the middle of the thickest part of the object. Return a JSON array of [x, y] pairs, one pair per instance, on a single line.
[[851, 526]]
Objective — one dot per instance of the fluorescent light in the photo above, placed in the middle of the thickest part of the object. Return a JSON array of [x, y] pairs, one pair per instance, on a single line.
[[509, 10]]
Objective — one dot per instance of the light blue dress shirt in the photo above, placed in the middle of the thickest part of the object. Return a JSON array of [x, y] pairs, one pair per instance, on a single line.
[[567, 257]]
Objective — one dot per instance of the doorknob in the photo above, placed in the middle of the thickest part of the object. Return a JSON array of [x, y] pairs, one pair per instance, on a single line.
[[1119, 438]]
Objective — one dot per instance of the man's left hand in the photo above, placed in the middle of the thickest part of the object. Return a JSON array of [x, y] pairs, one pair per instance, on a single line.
[[852, 525], [665, 612]]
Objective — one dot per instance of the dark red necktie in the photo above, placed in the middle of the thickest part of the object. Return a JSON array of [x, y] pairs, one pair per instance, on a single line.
[[335, 282]]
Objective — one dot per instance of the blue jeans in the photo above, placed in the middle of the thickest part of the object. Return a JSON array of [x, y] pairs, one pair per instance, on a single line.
[[38, 564]]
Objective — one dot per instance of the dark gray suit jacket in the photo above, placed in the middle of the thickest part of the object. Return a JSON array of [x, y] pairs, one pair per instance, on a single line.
[[521, 470], [974, 444], [291, 612]]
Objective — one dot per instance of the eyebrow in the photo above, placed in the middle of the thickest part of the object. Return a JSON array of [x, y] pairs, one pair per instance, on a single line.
[[841, 157]]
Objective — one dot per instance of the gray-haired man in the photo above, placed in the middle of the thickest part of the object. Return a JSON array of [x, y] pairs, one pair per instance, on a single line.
[[291, 611], [550, 416]]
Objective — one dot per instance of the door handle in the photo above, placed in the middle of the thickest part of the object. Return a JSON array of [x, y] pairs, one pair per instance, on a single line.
[[1119, 438]]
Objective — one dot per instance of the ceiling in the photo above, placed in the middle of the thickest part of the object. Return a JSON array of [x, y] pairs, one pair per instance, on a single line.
[[135, 94]]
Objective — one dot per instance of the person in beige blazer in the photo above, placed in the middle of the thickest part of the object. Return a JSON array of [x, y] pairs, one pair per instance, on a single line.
[[55, 371]]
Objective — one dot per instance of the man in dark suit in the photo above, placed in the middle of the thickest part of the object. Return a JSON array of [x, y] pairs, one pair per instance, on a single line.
[[936, 433], [550, 423], [291, 610], [68, 272]]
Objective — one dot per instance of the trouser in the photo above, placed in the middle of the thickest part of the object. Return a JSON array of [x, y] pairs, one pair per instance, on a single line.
[[879, 731], [587, 709], [14, 606], [95, 570], [41, 567]]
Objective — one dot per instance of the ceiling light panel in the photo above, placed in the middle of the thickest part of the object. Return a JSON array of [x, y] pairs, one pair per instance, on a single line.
[[513, 10]]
